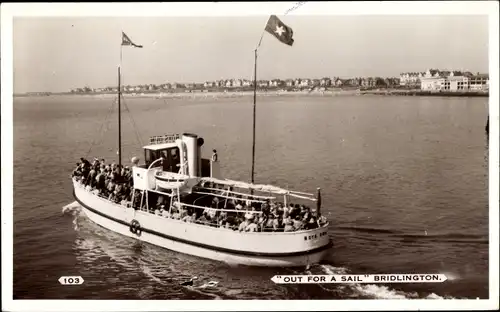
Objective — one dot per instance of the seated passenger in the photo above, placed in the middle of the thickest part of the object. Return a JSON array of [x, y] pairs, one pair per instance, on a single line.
[[286, 211], [210, 212], [165, 213], [186, 218], [127, 193], [251, 227], [243, 226], [111, 186], [298, 224], [275, 212], [183, 213], [232, 220], [265, 209], [269, 223], [137, 199], [220, 222], [312, 224], [249, 216], [287, 220], [202, 220], [288, 225], [160, 200], [238, 206], [261, 222], [230, 204], [194, 216], [215, 202], [307, 214], [119, 190], [77, 171], [276, 224]]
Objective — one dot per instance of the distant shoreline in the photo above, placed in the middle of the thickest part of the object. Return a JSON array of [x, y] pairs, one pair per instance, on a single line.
[[334, 92]]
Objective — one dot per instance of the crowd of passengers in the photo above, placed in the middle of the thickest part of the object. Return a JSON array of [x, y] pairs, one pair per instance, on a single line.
[[111, 181], [116, 184], [271, 217]]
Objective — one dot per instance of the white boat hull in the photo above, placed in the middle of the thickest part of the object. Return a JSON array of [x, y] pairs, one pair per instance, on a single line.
[[289, 249]]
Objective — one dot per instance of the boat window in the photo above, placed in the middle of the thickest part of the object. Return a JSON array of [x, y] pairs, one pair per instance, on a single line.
[[172, 156], [150, 156]]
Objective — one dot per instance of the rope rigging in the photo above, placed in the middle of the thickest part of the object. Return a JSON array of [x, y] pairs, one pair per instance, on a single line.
[[110, 110], [105, 121], [136, 129]]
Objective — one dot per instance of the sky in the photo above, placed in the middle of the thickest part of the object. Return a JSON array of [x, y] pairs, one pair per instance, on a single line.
[[56, 54]]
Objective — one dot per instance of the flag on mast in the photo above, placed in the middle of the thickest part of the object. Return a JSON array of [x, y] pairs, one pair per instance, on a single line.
[[279, 30], [127, 42]]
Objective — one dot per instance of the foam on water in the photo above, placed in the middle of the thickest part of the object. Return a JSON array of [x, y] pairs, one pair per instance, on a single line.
[[375, 291], [71, 208], [382, 292], [329, 269]]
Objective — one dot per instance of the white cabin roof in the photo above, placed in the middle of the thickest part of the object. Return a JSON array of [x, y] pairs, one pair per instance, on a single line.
[[156, 147]]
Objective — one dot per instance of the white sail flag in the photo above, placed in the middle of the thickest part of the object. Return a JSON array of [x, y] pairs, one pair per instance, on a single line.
[[359, 279]]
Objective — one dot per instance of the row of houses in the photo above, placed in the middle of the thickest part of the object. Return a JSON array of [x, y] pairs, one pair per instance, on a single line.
[[306, 82], [437, 80], [242, 83]]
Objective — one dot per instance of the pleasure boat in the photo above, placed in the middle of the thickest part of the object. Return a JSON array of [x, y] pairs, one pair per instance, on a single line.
[[174, 171]]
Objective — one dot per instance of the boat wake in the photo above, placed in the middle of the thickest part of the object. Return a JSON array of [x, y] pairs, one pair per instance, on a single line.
[[371, 291], [73, 209]]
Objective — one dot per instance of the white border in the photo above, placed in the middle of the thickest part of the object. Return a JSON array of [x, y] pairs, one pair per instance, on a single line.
[[9, 10]]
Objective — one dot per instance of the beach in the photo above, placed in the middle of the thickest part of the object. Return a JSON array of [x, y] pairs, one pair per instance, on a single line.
[[284, 93]]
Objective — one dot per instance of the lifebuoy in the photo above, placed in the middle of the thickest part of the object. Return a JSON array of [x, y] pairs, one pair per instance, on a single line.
[[135, 227]]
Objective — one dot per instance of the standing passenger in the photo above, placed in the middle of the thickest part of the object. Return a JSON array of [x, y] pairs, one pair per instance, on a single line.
[[214, 156]]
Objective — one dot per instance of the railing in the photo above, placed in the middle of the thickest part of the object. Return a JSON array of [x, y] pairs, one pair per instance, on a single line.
[[167, 138], [260, 227], [237, 193], [230, 197], [220, 209]]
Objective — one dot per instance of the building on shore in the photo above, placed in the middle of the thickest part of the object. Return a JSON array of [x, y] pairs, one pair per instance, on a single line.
[[411, 79], [479, 82], [436, 80]]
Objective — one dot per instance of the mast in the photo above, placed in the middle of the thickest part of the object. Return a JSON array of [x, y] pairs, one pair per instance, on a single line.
[[119, 120], [254, 112]]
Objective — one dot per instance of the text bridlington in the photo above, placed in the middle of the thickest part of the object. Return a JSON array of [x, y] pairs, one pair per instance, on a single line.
[[362, 278]]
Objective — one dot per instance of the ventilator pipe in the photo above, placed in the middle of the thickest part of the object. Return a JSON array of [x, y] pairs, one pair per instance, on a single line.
[[191, 141]]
